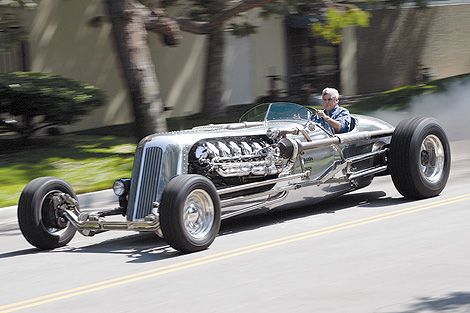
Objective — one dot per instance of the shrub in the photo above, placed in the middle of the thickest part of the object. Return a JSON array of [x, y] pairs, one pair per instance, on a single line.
[[39, 100]]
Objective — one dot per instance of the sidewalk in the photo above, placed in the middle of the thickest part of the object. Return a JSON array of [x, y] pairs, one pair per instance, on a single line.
[[98, 199]]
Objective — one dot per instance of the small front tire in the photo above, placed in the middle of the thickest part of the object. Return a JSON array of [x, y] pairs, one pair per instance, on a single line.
[[190, 213], [41, 224]]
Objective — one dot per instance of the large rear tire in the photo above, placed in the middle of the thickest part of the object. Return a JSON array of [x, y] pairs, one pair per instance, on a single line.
[[419, 158], [41, 224], [190, 213]]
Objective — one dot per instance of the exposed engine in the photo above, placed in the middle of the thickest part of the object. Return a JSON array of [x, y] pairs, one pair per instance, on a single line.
[[248, 157]]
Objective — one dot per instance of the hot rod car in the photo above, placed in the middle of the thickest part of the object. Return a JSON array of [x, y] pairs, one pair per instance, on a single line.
[[184, 183]]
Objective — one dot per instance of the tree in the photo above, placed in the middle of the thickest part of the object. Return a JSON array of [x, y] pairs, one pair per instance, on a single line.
[[130, 22]]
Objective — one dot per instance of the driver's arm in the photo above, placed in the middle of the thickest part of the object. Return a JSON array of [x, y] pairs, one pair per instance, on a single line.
[[340, 124], [333, 123]]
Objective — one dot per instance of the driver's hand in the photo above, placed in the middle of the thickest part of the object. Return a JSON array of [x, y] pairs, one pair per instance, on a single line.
[[321, 113]]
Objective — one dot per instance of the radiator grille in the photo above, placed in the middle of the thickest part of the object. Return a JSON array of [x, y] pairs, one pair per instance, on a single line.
[[144, 187], [134, 182]]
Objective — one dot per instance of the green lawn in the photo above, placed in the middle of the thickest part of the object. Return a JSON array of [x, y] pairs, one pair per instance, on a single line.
[[88, 163]]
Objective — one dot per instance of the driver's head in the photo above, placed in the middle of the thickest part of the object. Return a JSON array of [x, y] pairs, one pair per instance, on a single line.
[[330, 98]]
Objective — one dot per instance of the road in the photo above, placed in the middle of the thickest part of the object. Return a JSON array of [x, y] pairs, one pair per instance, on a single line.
[[368, 251]]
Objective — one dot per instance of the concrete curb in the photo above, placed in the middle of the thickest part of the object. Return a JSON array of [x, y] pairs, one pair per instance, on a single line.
[[98, 199], [8, 219]]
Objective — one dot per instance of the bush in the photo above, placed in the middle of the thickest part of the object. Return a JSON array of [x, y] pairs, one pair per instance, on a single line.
[[39, 100]]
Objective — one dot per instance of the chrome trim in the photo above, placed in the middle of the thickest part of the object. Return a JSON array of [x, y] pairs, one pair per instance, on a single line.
[[262, 183], [91, 227], [135, 179], [345, 138], [236, 200], [366, 156], [432, 158], [306, 135], [281, 197], [198, 214], [335, 168], [368, 172], [145, 185]]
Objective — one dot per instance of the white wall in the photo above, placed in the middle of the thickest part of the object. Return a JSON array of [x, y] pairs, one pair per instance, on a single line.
[[239, 61], [248, 60]]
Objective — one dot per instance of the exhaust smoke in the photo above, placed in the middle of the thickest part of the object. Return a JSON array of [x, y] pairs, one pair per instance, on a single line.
[[450, 108]]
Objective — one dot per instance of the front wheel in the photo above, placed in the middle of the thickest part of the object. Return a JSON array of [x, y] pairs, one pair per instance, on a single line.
[[419, 158], [41, 223], [190, 213]]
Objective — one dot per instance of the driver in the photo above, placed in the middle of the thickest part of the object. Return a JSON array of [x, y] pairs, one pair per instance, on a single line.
[[333, 117]]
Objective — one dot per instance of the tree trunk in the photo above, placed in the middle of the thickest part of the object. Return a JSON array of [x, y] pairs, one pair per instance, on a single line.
[[130, 38], [213, 102]]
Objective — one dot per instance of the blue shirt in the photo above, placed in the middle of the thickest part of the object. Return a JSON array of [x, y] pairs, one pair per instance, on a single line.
[[339, 114]]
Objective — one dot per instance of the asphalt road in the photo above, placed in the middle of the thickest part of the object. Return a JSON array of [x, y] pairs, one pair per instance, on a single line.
[[368, 251]]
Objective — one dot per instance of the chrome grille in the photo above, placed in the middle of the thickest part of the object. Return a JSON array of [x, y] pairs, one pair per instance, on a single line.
[[144, 186], [134, 182]]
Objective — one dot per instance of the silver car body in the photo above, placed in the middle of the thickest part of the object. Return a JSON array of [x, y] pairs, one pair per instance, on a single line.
[[161, 157]]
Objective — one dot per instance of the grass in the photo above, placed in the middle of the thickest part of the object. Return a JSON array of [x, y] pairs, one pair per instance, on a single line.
[[88, 163], [92, 160]]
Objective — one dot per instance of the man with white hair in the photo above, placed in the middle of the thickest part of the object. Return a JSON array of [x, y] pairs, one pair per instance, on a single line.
[[333, 117]]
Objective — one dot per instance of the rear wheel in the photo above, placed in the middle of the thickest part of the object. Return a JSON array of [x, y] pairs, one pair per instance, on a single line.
[[419, 158], [190, 213], [41, 223]]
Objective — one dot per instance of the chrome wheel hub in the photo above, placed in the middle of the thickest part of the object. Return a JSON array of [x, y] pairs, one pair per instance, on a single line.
[[198, 214], [432, 159]]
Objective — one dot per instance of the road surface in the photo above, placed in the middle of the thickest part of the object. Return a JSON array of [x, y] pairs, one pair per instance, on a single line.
[[368, 251]]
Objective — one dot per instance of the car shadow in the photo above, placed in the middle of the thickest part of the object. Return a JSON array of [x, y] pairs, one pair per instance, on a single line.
[[372, 200], [452, 302], [139, 247], [148, 247], [17, 253]]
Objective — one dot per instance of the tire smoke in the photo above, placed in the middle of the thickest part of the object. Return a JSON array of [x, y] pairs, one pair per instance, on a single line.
[[450, 108]]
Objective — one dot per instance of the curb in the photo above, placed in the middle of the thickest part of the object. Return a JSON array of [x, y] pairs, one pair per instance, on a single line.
[[98, 199]]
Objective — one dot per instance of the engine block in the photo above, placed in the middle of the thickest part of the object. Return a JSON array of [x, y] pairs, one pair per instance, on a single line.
[[237, 157]]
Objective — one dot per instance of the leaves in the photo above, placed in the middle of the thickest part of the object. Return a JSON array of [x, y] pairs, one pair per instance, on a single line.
[[242, 29], [336, 20]]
